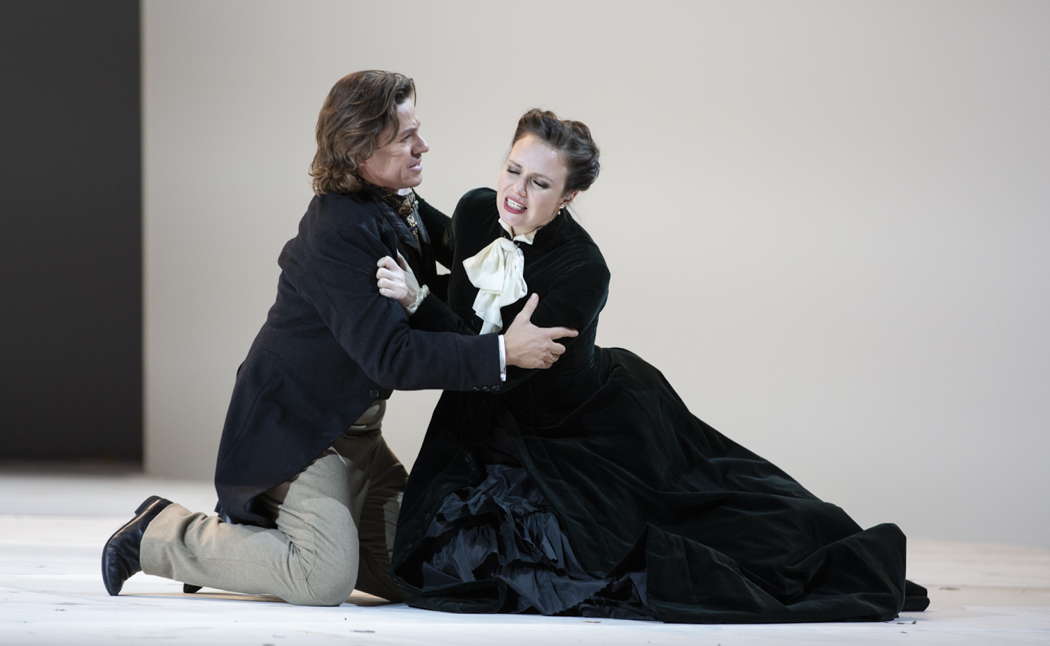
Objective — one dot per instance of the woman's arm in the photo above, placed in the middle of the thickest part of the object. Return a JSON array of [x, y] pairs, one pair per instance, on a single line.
[[432, 313], [574, 302]]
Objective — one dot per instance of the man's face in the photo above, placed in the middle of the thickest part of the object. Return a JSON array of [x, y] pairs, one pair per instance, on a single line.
[[398, 163]]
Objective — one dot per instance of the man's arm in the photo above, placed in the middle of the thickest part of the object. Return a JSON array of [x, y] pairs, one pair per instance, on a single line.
[[333, 268], [523, 345]]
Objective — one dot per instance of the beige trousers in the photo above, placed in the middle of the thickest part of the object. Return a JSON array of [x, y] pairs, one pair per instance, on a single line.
[[335, 530]]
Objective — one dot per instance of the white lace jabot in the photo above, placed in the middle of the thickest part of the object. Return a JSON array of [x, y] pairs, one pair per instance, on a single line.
[[498, 273]]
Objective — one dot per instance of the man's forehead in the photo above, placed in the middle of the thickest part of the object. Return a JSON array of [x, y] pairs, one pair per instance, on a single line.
[[406, 115]]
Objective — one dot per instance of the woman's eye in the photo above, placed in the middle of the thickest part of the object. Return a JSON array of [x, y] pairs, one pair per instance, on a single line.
[[513, 171], [540, 184]]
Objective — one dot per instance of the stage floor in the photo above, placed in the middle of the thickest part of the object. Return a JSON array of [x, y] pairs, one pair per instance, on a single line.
[[53, 526]]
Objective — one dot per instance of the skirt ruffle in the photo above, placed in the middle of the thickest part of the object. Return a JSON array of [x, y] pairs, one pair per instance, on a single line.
[[503, 531]]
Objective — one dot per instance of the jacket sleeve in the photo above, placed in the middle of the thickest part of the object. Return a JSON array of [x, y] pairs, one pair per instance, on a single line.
[[435, 315], [335, 265], [573, 302]]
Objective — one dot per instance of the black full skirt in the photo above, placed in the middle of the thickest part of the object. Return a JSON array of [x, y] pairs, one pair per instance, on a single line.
[[629, 506]]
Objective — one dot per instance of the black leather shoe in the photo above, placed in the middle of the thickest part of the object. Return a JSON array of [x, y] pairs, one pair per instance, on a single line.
[[189, 588], [120, 556]]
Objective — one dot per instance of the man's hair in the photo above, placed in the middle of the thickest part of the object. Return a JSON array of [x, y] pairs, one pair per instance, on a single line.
[[359, 108]]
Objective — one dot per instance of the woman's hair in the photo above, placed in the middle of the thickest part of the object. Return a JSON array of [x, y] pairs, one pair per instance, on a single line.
[[571, 138], [359, 108]]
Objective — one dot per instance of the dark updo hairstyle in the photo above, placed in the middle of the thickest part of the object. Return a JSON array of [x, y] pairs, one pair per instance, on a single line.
[[359, 108], [571, 138]]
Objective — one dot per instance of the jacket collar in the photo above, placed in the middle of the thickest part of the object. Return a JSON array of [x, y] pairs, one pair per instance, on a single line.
[[390, 204], [542, 238]]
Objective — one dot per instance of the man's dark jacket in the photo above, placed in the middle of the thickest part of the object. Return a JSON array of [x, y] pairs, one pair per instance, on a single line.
[[331, 345]]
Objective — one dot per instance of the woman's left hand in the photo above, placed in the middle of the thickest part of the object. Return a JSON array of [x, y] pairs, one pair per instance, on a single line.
[[396, 280]]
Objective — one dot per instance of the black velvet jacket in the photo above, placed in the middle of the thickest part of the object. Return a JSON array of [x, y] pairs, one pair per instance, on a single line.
[[331, 345], [573, 285]]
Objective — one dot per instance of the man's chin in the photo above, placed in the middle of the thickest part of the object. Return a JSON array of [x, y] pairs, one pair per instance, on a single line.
[[413, 180]]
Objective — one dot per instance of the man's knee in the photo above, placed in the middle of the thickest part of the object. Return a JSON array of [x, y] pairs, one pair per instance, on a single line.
[[329, 584]]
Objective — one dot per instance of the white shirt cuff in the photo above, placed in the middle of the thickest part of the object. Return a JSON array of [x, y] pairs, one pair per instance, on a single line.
[[421, 294], [502, 359]]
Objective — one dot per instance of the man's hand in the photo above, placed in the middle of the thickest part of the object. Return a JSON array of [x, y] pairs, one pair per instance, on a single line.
[[396, 281], [529, 346]]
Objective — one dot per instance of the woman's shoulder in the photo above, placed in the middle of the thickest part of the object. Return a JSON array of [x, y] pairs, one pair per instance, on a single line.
[[582, 257], [578, 243], [571, 255], [475, 218], [477, 201]]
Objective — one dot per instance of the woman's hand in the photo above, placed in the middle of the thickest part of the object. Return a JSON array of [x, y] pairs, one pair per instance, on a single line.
[[396, 280]]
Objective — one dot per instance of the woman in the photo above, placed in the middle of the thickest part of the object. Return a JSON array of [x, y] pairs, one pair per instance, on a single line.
[[590, 488]]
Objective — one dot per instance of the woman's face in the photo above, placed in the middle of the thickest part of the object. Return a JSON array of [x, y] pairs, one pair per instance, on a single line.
[[531, 185], [399, 162]]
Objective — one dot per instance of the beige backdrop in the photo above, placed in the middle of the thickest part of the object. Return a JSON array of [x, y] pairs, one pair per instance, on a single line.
[[827, 222]]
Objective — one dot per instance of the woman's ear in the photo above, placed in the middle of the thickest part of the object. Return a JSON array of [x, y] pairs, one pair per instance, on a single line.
[[567, 198]]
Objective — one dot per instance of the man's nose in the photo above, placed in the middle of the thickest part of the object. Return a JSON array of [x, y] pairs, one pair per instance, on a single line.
[[421, 146]]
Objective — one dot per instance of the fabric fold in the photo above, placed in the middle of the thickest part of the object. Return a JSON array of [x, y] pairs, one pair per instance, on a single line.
[[498, 273]]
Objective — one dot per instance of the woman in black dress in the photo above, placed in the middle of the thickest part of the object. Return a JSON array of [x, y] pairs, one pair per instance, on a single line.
[[589, 488]]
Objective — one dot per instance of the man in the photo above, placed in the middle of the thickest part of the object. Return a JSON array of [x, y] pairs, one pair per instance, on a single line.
[[308, 490]]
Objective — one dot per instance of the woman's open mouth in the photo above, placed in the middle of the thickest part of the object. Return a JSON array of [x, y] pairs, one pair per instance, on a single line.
[[513, 207]]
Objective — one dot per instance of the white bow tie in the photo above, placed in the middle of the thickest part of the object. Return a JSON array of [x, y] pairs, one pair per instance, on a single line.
[[497, 271]]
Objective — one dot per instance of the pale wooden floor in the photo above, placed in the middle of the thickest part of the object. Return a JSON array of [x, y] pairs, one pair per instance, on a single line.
[[53, 526]]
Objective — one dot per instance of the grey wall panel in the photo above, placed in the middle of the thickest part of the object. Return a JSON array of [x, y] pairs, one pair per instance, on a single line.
[[70, 231]]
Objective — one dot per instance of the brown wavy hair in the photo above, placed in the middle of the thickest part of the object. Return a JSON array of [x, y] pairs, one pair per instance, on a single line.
[[359, 108], [572, 138]]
